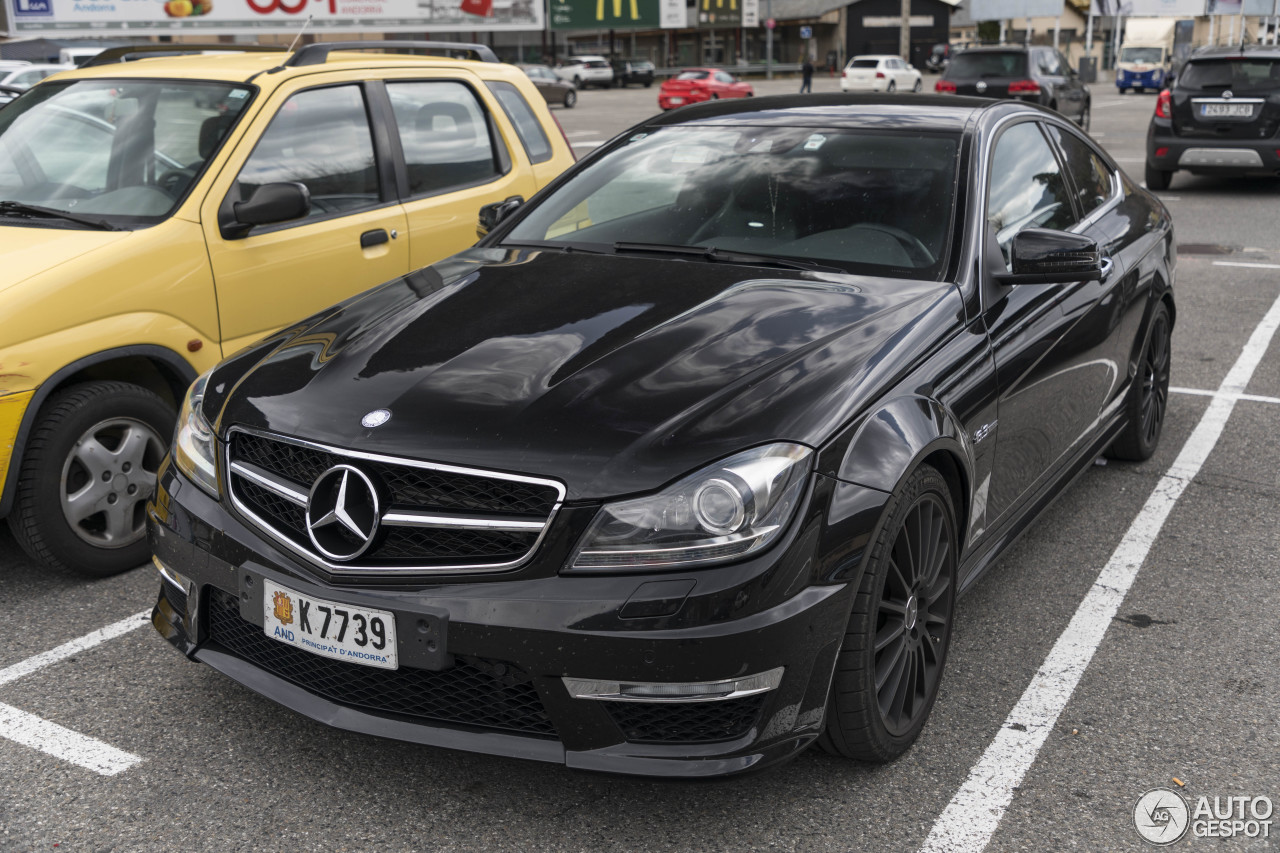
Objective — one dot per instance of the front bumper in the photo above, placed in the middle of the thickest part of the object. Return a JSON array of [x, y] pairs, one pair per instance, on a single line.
[[1226, 156], [1153, 79], [492, 679]]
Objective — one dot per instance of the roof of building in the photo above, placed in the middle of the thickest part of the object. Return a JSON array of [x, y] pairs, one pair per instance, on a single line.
[[793, 10]]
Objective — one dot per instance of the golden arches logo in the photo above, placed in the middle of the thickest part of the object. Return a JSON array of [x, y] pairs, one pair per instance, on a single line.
[[706, 5], [617, 9]]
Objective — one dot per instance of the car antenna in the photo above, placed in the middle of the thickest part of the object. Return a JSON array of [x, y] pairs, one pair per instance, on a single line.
[[293, 43]]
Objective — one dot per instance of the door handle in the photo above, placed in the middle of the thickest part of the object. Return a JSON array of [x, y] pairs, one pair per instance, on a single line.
[[376, 237], [1107, 266]]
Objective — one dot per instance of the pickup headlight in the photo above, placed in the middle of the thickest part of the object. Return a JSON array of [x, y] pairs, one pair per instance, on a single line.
[[194, 444], [721, 513]]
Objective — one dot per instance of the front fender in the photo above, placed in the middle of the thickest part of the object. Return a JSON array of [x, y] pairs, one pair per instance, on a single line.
[[892, 441]]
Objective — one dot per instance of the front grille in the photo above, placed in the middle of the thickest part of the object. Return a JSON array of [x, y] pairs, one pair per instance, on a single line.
[[271, 477], [473, 692], [686, 722]]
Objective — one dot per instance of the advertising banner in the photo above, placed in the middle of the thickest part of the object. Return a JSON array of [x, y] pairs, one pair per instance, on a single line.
[[1149, 8], [999, 10], [246, 17]]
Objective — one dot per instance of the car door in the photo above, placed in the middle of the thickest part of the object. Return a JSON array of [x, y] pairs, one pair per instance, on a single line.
[[351, 238], [460, 152], [1055, 73], [1044, 402]]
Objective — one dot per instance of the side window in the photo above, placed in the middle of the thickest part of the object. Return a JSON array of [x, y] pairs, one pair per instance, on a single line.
[[1088, 170], [722, 77], [1027, 189], [445, 136], [528, 128], [319, 138]]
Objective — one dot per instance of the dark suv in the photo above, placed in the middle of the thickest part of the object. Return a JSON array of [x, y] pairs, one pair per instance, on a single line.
[[1041, 75], [632, 70], [1219, 117]]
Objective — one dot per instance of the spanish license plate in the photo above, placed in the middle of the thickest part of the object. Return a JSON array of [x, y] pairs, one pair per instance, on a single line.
[[1226, 110], [329, 628]]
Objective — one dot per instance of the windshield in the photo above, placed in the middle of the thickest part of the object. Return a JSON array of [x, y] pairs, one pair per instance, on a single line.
[[864, 63], [1238, 74], [1149, 55], [124, 151], [877, 203], [986, 63]]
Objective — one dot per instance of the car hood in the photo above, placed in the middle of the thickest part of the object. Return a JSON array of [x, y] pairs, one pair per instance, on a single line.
[[613, 374], [29, 251]]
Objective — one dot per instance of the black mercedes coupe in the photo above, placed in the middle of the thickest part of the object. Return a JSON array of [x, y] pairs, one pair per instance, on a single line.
[[682, 467]]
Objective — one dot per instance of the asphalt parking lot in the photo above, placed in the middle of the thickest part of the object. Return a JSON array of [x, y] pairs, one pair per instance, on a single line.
[[1145, 600]]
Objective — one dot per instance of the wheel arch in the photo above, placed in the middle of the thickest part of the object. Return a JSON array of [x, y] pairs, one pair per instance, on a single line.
[[156, 368]]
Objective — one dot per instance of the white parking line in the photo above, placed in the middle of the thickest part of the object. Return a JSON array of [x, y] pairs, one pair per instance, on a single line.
[[975, 812], [51, 738], [1199, 392], [1242, 264]]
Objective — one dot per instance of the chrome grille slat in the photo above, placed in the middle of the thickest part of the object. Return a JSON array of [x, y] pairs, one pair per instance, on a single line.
[[440, 518]]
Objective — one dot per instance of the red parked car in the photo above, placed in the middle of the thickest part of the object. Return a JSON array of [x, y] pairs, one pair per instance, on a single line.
[[693, 85]]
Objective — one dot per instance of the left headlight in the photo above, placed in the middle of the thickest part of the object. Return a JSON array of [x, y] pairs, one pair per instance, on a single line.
[[194, 444], [721, 513]]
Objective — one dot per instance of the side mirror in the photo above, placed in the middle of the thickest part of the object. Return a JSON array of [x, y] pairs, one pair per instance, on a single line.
[[1043, 256], [493, 213], [269, 204]]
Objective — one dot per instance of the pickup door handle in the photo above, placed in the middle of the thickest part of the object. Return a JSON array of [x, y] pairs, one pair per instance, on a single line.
[[376, 237]]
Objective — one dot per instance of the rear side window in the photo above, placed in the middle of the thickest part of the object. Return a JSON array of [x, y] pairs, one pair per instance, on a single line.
[[1242, 74], [528, 128], [993, 63], [320, 138], [445, 136], [1027, 188], [693, 75]]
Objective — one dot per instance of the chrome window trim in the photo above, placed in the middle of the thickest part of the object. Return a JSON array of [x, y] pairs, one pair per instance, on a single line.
[[402, 519]]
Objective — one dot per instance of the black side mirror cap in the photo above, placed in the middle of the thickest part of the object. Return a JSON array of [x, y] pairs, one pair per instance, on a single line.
[[269, 204], [1044, 256], [493, 213]]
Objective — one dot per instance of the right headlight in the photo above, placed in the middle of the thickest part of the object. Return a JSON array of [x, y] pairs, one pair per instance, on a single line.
[[721, 513], [194, 444]]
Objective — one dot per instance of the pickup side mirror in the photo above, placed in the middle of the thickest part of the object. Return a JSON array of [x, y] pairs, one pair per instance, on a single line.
[[493, 213], [1043, 256]]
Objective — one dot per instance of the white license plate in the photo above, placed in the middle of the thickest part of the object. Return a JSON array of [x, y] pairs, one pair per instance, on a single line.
[[676, 100], [1228, 110], [329, 628]]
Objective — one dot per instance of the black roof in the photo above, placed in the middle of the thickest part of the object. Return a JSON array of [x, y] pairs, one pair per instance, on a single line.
[[891, 112]]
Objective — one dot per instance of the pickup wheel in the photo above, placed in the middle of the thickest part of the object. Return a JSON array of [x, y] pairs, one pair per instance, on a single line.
[[890, 663], [87, 474]]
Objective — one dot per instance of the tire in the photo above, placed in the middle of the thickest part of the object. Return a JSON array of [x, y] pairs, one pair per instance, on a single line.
[[577, 81], [570, 98], [898, 596], [1086, 116], [891, 88], [918, 86], [82, 506], [1157, 179], [1123, 90], [648, 83], [1149, 395]]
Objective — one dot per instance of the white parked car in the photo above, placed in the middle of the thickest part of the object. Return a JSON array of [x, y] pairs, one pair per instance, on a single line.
[[885, 73], [26, 76], [584, 71]]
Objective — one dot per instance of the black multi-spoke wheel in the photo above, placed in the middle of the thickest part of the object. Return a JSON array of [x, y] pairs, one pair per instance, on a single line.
[[1149, 397], [891, 663]]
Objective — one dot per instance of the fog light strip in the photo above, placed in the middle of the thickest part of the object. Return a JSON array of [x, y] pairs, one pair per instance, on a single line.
[[170, 575], [673, 691]]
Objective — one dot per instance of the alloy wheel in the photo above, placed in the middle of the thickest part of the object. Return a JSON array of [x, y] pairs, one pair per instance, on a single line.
[[108, 478]]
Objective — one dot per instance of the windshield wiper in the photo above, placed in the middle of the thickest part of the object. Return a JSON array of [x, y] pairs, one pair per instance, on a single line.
[[18, 208], [711, 253]]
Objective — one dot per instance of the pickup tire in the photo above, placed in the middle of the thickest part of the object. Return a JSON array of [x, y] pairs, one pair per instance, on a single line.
[[87, 474]]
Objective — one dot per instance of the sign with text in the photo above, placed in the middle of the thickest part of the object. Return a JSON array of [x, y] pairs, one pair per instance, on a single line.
[[720, 14], [247, 17], [612, 14], [999, 10]]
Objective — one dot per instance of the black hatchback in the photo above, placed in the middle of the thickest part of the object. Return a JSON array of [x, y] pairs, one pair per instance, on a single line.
[[1040, 75], [1220, 117], [632, 70]]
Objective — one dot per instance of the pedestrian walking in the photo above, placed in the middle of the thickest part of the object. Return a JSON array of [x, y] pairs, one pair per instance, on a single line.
[[806, 75]]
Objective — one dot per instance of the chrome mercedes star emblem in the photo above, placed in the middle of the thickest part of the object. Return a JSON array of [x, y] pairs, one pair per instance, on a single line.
[[342, 513], [981, 86], [376, 418]]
